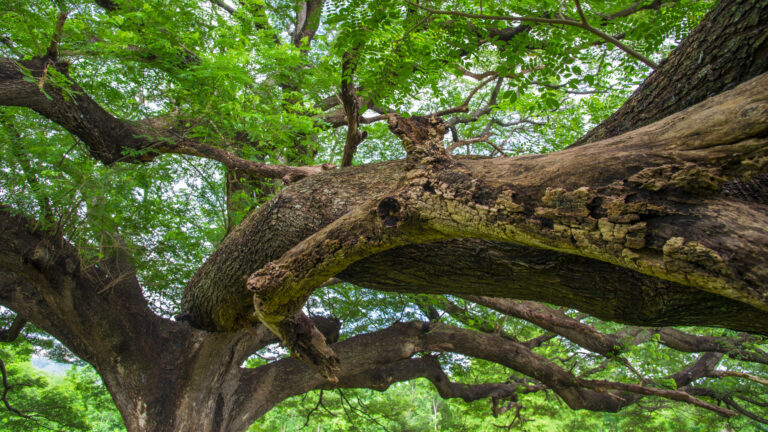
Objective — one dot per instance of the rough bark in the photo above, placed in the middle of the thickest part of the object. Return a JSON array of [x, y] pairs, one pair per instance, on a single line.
[[647, 201], [160, 373], [166, 376], [728, 47]]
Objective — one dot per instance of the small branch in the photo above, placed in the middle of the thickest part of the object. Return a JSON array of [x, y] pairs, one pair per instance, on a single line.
[[224, 6], [539, 340], [53, 48], [10, 334], [636, 7], [351, 106], [483, 138], [725, 398], [581, 12], [485, 109], [561, 21], [600, 385], [755, 378], [5, 394], [5, 40], [465, 105], [476, 76], [286, 173]]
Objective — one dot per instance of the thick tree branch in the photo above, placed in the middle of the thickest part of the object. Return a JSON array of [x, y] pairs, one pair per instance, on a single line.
[[419, 213], [554, 321], [307, 22], [351, 106], [380, 359], [380, 378], [578, 202], [108, 138], [699, 61], [589, 338], [11, 333]]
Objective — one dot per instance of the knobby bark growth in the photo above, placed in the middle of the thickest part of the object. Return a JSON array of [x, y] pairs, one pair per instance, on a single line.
[[635, 228]]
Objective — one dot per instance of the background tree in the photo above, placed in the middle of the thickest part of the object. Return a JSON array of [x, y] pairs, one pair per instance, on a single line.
[[138, 136]]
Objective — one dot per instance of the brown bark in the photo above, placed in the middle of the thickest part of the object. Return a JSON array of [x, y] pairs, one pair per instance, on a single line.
[[110, 139], [586, 336], [162, 374], [647, 201], [351, 104], [728, 47], [166, 376], [633, 229]]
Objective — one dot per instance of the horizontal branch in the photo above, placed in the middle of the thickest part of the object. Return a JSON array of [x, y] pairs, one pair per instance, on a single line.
[[379, 359], [648, 202], [650, 391], [737, 374], [586, 336], [380, 378], [109, 139]]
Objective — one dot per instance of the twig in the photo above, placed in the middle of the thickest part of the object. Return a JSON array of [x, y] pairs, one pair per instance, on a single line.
[[458, 144], [465, 104], [541, 20], [53, 48], [5, 394], [224, 6]]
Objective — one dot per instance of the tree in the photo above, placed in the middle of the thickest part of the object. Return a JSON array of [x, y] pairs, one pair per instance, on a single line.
[[654, 226]]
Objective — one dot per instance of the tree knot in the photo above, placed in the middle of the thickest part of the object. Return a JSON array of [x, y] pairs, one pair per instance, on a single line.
[[422, 137], [389, 211]]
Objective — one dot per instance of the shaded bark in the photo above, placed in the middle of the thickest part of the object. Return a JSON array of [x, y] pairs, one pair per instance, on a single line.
[[162, 375], [647, 201], [728, 47]]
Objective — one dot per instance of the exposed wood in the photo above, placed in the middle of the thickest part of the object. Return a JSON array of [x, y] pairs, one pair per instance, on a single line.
[[647, 201]]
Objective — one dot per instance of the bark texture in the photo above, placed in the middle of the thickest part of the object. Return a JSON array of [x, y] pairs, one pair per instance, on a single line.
[[641, 228], [648, 201], [728, 47]]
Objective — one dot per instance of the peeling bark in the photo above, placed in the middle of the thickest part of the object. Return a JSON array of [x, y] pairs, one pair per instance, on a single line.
[[647, 201]]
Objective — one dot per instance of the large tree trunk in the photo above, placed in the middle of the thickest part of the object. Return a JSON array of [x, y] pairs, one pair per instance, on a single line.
[[162, 375]]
